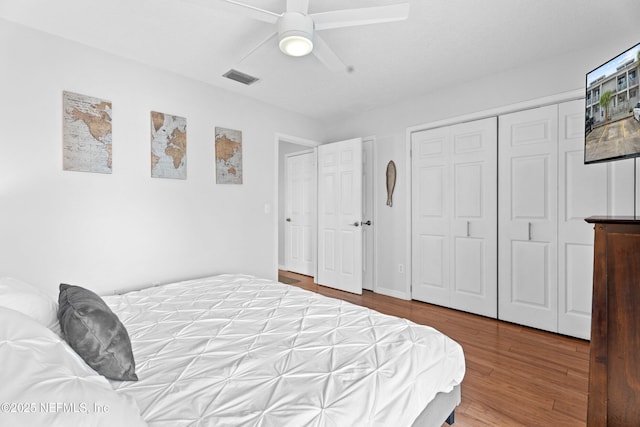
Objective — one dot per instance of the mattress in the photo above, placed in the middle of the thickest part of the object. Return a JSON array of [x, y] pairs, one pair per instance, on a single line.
[[236, 350]]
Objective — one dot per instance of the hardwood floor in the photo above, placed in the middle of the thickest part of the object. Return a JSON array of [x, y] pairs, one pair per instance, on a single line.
[[516, 376]]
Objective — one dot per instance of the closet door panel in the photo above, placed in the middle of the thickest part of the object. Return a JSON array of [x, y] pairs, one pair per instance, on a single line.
[[474, 272], [454, 227], [529, 281], [430, 217], [432, 285], [528, 261], [469, 269], [583, 192], [529, 188], [468, 183]]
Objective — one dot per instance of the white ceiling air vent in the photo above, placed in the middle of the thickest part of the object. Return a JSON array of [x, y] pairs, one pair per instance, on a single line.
[[238, 76]]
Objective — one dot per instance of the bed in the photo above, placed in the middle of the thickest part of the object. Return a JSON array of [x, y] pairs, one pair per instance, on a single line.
[[236, 350]]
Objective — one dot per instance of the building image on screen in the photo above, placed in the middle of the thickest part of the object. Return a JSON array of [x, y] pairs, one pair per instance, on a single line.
[[612, 109]]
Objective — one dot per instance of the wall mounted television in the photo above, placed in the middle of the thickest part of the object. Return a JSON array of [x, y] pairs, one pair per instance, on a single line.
[[612, 109]]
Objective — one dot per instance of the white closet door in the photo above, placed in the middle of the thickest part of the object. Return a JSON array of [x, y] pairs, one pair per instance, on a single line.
[[430, 216], [474, 243], [454, 225], [339, 215], [583, 192], [300, 212], [528, 260]]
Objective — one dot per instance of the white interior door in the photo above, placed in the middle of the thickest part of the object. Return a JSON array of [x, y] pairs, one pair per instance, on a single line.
[[454, 226], [528, 188], [300, 212], [340, 215]]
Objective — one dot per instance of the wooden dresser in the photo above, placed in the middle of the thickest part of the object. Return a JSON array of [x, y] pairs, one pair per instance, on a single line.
[[614, 372]]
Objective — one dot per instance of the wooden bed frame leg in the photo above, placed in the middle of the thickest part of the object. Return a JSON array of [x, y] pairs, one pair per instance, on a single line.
[[452, 418]]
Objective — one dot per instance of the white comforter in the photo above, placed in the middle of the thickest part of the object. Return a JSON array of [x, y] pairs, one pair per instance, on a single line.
[[235, 350]]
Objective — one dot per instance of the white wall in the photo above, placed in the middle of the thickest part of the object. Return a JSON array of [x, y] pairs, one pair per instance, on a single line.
[[545, 79], [127, 230]]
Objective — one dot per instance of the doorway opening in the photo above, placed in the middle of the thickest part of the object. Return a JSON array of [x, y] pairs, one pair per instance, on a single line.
[[293, 148]]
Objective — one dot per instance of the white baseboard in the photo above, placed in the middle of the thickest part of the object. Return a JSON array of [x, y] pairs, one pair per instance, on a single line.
[[392, 293]]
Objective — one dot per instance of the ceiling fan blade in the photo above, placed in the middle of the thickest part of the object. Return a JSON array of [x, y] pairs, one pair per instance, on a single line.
[[247, 10], [323, 52], [263, 42], [363, 16], [301, 6]]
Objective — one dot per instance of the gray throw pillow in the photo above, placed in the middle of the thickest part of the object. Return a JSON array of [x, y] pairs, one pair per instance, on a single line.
[[95, 333]]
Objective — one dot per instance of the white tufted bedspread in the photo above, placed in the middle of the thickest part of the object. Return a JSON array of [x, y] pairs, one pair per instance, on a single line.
[[235, 350]]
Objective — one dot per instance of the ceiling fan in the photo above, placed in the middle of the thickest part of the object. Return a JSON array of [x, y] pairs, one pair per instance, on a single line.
[[297, 29]]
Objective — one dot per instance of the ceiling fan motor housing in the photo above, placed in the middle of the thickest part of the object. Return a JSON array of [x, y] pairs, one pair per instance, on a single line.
[[295, 34]]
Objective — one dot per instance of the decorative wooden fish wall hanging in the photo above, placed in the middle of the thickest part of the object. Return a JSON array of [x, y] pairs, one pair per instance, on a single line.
[[391, 181]]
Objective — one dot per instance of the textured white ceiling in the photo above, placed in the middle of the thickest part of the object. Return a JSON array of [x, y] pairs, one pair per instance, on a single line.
[[443, 43]]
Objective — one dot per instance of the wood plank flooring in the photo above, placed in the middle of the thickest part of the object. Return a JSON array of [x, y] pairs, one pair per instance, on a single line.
[[516, 376]]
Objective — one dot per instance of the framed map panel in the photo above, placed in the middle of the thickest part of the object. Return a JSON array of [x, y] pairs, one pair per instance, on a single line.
[[86, 133], [228, 156], [168, 146]]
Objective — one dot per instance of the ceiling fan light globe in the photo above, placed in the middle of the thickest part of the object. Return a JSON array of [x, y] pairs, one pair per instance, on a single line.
[[296, 45], [295, 34]]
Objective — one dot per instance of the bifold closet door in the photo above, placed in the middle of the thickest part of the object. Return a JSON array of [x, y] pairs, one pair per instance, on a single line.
[[454, 225], [546, 191], [528, 223], [585, 190]]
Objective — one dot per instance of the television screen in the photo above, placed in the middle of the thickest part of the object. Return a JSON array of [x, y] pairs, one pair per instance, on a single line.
[[612, 109]]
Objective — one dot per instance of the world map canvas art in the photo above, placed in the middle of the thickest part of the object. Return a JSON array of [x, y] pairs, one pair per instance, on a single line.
[[168, 146], [228, 156], [86, 139]]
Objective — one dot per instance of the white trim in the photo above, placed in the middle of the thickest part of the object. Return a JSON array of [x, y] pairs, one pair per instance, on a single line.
[[392, 293], [299, 153], [374, 213], [409, 228], [375, 209], [512, 108], [493, 112], [281, 137]]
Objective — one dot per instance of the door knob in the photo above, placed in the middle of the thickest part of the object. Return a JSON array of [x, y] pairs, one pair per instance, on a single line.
[[366, 223], [356, 224], [288, 219]]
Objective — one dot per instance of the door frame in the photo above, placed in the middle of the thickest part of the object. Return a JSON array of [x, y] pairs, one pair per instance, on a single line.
[[370, 188], [310, 144]]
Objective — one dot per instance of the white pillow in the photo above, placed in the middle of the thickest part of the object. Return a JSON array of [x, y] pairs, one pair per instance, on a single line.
[[27, 299], [45, 383]]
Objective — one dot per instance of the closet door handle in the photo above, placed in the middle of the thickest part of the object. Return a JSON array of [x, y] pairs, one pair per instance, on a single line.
[[468, 229], [529, 231]]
